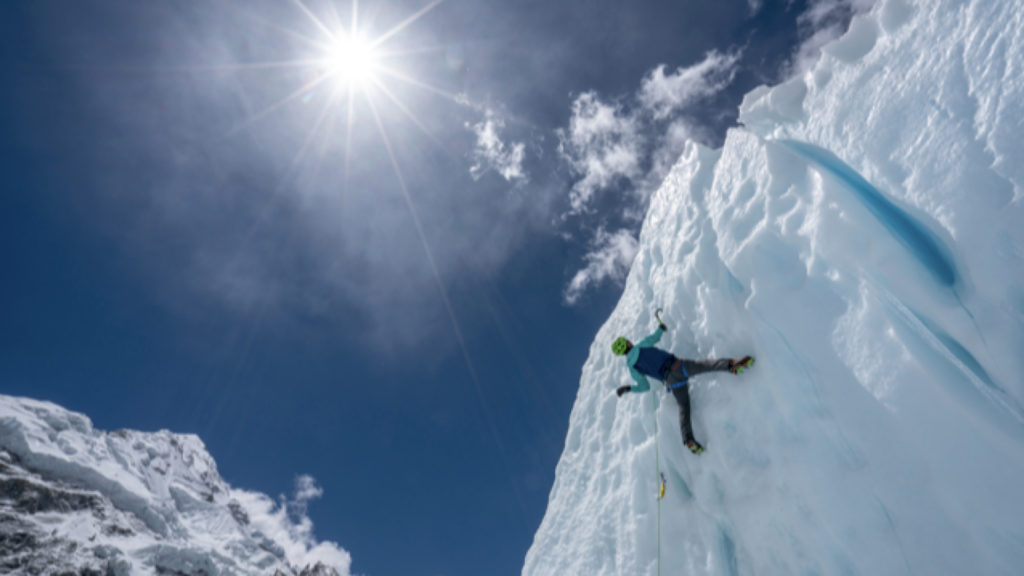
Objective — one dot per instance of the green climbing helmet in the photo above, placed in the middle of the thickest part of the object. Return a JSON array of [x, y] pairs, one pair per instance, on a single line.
[[620, 346]]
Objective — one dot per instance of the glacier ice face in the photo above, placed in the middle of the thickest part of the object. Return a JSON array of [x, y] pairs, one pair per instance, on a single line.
[[860, 234], [76, 499]]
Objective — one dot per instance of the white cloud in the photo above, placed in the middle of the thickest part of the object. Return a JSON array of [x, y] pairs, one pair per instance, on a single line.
[[306, 491], [810, 49], [463, 99], [822, 22], [492, 154], [607, 143], [670, 147], [610, 259], [831, 12], [602, 144], [287, 525], [755, 6], [663, 95]]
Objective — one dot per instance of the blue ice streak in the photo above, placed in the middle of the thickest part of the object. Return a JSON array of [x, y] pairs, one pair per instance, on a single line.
[[912, 234]]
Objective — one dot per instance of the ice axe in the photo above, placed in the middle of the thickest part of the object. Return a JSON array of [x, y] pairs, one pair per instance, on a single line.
[[657, 316]]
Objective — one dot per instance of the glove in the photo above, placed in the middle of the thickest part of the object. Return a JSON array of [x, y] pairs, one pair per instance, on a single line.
[[663, 327], [622, 390]]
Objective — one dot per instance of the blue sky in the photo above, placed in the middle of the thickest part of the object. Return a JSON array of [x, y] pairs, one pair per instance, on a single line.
[[395, 297]]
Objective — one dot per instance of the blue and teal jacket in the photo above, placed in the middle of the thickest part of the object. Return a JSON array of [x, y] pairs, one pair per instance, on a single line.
[[644, 359]]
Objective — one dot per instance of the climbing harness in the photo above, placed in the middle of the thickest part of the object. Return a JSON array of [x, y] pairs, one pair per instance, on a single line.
[[678, 364]]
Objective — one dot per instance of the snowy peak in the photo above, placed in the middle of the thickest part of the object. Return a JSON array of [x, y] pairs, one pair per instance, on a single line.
[[135, 470], [127, 502]]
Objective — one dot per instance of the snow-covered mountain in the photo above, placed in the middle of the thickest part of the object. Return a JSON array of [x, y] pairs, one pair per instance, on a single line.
[[76, 500], [862, 235]]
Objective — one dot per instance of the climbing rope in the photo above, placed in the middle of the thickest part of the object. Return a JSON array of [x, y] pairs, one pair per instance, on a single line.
[[657, 457], [657, 469]]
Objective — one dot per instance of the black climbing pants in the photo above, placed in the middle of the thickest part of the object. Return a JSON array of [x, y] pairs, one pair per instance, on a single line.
[[682, 393]]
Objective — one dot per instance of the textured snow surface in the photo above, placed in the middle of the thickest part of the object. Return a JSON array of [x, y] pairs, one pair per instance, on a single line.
[[73, 499], [861, 235]]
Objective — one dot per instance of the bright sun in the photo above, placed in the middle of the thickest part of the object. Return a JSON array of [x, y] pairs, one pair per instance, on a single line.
[[352, 61], [347, 66]]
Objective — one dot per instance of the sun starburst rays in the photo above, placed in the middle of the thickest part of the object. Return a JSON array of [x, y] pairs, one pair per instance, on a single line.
[[406, 23], [354, 68], [410, 80], [312, 17], [405, 110], [353, 64], [294, 95], [347, 71]]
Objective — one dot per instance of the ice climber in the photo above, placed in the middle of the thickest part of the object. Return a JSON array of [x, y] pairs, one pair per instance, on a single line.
[[643, 360]]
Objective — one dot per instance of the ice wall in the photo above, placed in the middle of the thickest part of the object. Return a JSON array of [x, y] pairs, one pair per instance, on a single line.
[[861, 235]]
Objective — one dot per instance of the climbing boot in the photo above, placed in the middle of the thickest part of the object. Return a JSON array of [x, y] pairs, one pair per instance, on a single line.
[[738, 366], [694, 446]]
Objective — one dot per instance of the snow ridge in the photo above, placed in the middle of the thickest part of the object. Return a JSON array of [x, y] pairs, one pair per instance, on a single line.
[[79, 500], [860, 235]]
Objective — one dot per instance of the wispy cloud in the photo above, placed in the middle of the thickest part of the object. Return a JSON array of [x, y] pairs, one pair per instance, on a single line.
[[607, 144], [609, 260], [602, 144], [287, 526], [630, 146], [822, 22], [664, 95], [670, 146], [491, 153], [306, 490]]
